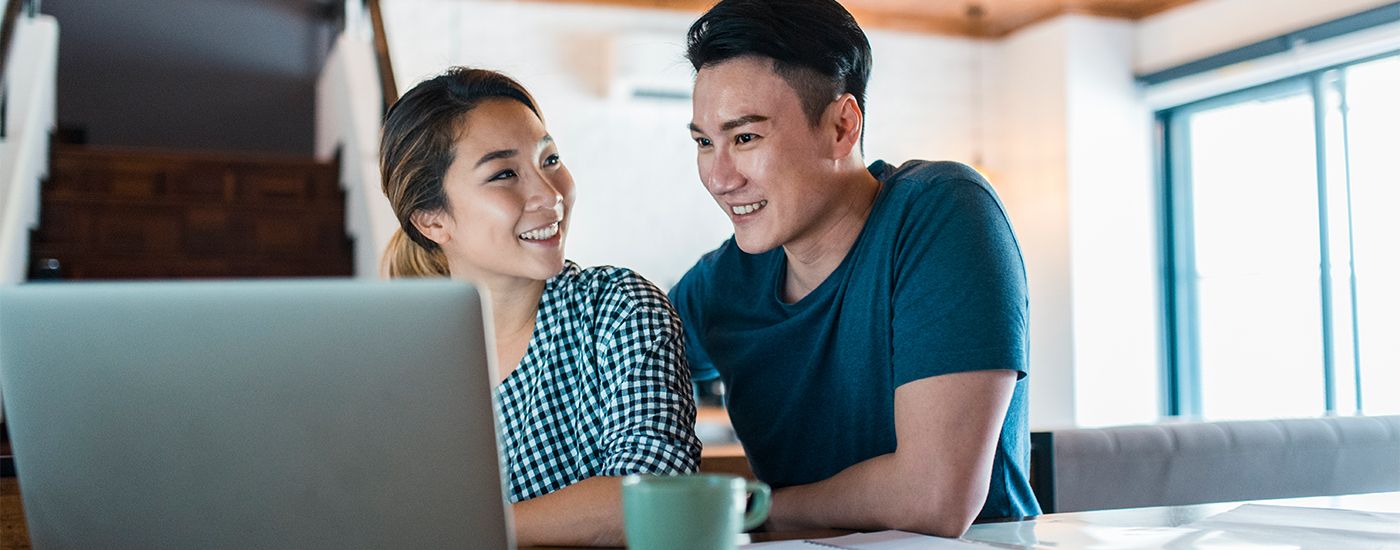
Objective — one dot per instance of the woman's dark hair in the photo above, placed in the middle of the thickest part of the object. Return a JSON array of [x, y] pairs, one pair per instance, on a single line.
[[420, 134], [816, 46]]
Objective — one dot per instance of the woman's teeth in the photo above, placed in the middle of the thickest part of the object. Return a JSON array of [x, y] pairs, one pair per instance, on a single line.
[[748, 208], [542, 233]]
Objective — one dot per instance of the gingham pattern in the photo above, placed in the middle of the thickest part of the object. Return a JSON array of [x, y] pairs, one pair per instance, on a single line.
[[603, 388]]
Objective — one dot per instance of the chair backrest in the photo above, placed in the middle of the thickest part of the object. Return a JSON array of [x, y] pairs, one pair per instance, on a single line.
[[1197, 462]]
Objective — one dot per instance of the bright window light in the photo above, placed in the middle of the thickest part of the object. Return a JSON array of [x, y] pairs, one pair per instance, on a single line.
[[1373, 101], [1254, 204]]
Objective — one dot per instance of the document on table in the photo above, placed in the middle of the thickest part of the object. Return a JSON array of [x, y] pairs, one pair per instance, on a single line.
[[883, 540], [1302, 528]]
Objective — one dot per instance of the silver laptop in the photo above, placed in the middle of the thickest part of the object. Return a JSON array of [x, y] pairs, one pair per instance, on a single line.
[[311, 414]]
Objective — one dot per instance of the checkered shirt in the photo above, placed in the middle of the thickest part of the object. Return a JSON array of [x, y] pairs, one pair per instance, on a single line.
[[603, 388]]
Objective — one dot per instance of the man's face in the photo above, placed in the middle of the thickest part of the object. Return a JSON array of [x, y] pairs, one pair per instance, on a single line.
[[758, 154]]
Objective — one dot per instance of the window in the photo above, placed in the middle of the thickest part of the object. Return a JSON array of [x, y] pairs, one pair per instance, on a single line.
[[1373, 138], [1283, 205]]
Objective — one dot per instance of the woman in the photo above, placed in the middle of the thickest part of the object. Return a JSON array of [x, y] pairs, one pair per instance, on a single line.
[[594, 383]]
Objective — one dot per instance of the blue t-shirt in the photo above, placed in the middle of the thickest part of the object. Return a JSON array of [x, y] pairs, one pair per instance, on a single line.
[[933, 285]]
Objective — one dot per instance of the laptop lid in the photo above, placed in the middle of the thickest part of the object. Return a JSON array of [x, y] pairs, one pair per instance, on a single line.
[[272, 414]]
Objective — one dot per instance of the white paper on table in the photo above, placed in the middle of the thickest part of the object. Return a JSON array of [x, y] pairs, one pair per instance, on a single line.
[[882, 540], [1070, 533], [1301, 528]]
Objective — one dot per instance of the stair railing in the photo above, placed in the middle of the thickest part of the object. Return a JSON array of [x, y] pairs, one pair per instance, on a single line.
[[27, 99], [28, 72], [355, 88]]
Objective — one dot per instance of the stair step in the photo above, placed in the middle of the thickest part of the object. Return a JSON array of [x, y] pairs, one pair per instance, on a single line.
[[233, 177], [131, 213]]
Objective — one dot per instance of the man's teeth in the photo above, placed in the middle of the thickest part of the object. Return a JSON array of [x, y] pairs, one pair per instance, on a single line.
[[541, 233], [748, 208]]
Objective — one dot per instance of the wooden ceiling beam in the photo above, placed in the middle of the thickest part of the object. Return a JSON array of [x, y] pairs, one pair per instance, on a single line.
[[1000, 18]]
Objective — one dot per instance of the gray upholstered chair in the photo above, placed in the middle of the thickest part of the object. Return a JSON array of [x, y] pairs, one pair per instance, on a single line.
[[1197, 462]]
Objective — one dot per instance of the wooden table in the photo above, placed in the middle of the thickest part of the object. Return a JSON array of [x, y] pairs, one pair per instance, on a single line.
[[13, 533]]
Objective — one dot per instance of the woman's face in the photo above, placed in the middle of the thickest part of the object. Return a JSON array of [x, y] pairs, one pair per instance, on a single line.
[[508, 197]]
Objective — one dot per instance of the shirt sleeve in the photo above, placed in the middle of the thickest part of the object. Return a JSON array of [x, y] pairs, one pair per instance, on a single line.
[[960, 300], [649, 417], [685, 296]]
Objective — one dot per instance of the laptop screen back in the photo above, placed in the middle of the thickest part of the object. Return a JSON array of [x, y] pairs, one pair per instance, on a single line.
[[308, 414]]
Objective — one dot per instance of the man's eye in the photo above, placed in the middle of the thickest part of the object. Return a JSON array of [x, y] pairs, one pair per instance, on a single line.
[[703, 142], [744, 138], [503, 174], [551, 160]]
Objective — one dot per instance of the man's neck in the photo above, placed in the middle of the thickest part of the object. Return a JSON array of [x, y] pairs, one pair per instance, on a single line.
[[813, 256]]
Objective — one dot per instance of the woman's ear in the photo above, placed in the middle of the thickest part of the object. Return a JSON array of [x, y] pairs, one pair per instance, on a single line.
[[433, 225]]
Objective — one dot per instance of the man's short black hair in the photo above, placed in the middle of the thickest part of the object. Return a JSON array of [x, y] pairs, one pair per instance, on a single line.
[[816, 46]]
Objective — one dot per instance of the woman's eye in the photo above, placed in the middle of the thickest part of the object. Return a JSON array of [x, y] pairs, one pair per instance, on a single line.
[[551, 160], [744, 138], [503, 174], [702, 142]]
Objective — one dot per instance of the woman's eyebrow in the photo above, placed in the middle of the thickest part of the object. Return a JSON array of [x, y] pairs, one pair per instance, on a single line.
[[496, 155]]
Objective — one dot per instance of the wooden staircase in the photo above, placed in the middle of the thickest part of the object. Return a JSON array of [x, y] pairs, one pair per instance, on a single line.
[[110, 213]]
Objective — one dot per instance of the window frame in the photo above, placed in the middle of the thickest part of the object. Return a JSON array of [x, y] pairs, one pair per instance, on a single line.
[[1181, 354]]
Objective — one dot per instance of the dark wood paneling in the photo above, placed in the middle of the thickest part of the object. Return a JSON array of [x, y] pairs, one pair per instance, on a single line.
[[130, 214]]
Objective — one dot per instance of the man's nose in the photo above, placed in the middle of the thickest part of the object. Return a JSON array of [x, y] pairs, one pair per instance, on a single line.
[[724, 176]]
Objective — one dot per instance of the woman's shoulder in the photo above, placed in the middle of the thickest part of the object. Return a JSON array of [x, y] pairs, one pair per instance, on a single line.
[[612, 291], [617, 313]]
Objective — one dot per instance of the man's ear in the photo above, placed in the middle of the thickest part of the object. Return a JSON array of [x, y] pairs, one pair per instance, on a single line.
[[433, 225], [845, 117]]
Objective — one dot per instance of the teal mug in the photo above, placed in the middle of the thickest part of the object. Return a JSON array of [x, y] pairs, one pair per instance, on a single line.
[[690, 512]]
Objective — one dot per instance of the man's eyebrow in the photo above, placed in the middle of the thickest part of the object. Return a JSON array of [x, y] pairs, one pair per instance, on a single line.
[[732, 124], [495, 155], [547, 139], [746, 119]]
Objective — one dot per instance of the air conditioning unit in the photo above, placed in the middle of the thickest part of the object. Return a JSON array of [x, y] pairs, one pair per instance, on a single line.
[[649, 66]]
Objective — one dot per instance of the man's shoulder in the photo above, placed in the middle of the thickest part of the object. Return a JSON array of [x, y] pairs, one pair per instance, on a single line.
[[932, 191], [934, 170], [932, 180]]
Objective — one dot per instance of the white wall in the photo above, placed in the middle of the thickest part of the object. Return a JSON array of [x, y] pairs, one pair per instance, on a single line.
[[1207, 27], [1028, 161], [1114, 249], [1071, 152], [1299, 59], [640, 203]]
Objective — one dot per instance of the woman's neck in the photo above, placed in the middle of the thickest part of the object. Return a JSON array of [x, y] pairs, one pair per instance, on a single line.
[[515, 304]]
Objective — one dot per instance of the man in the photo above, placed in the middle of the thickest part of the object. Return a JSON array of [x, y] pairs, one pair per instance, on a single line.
[[869, 324]]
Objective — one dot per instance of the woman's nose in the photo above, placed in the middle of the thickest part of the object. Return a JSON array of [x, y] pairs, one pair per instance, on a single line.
[[544, 196]]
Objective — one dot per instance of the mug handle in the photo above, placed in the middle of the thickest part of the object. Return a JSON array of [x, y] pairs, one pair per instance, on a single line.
[[762, 498]]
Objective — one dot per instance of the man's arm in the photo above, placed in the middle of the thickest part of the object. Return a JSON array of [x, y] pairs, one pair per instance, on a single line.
[[936, 481], [587, 513]]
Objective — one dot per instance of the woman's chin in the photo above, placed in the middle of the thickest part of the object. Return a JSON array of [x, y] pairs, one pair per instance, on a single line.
[[547, 269]]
